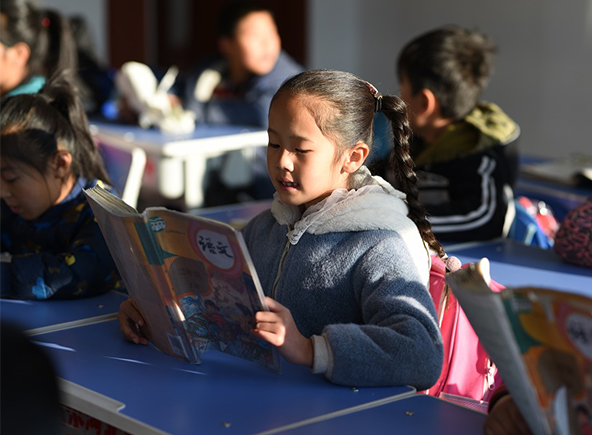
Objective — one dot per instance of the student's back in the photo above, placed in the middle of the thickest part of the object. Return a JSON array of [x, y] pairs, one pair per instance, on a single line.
[[464, 175]]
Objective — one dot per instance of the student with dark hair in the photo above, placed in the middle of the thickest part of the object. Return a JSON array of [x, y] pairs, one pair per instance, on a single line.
[[34, 44], [96, 80], [47, 157], [464, 174], [237, 87], [342, 256]]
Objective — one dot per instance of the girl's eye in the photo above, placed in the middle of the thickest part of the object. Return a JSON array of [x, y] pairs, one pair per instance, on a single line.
[[299, 151], [10, 180], [273, 145]]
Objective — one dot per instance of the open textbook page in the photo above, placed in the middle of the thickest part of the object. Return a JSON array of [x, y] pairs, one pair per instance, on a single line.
[[192, 278], [541, 342]]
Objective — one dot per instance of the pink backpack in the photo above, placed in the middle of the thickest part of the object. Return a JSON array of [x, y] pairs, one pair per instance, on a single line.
[[467, 371]]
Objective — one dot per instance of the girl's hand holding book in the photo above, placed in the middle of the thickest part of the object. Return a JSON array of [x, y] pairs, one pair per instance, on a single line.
[[130, 320], [278, 328], [505, 419]]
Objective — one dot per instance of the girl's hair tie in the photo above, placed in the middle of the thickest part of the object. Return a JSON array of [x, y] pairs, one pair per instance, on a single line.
[[45, 22], [377, 97]]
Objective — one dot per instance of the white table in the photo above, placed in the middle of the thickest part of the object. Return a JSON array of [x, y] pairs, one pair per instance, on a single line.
[[181, 158]]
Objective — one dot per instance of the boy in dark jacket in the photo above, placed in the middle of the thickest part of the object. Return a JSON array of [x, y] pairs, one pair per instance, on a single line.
[[465, 173]]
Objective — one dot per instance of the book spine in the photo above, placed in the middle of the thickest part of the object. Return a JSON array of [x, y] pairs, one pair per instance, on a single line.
[[155, 258]]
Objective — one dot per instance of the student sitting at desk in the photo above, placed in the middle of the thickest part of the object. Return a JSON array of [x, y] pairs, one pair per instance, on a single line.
[[48, 157], [33, 45], [237, 88], [342, 256], [463, 178]]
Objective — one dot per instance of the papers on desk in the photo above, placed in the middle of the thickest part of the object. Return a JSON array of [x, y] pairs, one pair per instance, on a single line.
[[575, 170], [192, 278], [541, 342]]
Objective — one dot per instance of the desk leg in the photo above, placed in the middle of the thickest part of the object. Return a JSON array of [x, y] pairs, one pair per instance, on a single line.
[[133, 183], [195, 171]]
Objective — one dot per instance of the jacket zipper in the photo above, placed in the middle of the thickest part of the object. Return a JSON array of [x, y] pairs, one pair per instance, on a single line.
[[489, 379], [279, 272]]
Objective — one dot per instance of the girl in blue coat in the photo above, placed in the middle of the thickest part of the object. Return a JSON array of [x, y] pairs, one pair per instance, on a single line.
[[48, 156], [342, 256]]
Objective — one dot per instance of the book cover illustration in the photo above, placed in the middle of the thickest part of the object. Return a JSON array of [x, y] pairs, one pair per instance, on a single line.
[[192, 278], [553, 331], [541, 342]]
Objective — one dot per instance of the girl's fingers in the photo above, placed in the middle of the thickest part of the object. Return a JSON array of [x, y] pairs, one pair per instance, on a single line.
[[130, 320], [274, 306], [266, 316], [270, 337], [128, 309]]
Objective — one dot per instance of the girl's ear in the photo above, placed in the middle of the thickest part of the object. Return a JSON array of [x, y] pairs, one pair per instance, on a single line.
[[356, 157], [61, 164], [21, 54]]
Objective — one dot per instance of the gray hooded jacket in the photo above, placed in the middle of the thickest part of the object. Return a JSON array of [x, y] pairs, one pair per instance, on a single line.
[[354, 271]]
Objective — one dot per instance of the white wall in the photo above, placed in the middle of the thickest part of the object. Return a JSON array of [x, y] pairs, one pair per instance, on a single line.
[[543, 69]]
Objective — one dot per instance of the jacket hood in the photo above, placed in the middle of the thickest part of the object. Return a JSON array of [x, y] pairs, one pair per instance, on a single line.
[[484, 127], [370, 204]]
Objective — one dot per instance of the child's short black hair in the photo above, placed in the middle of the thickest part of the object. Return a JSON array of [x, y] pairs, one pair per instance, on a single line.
[[453, 62], [236, 11]]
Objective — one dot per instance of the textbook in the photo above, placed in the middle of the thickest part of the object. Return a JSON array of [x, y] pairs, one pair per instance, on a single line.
[[192, 278], [541, 342], [574, 170]]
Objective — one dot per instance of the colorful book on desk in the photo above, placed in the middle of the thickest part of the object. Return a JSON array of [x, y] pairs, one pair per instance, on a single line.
[[192, 278], [575, 170], [541, 342]]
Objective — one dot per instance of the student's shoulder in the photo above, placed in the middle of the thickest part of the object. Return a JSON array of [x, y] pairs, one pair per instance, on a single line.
[[284, 68], [287, 65]]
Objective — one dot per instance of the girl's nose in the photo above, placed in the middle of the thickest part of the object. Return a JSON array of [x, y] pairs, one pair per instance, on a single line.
[[285, 161], [4, 191]]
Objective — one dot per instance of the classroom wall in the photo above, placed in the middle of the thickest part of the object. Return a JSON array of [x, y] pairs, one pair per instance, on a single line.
[[543, 70]]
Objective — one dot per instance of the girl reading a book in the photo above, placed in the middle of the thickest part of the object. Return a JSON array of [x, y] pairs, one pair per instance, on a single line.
[[342, 256], [47, 157]]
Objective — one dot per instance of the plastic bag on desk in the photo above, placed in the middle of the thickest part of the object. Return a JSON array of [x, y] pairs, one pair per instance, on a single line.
[[149, 99]]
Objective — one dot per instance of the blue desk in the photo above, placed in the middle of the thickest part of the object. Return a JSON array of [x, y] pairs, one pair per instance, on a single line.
[[37, 317], [515, 264], [236, 215], [181, 158], [413, 415], [560, 198], [150, 393]]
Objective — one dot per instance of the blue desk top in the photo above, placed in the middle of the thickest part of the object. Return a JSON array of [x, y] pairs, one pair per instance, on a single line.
[[418, 414], [179, 398], [235, 214], [515, 264], [560, 198], [155, 136], [52, 314]]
